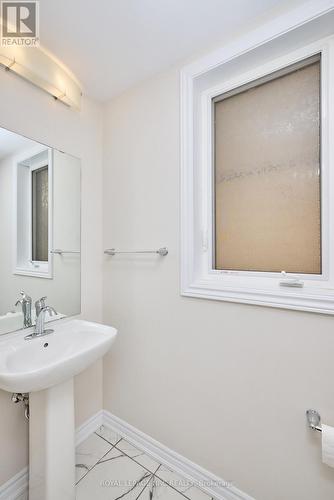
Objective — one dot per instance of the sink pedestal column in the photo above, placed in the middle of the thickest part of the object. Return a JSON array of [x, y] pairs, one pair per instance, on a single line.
[[52, 443]]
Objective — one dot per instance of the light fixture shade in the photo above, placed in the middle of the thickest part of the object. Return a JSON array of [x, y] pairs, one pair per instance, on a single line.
[[39, 67]]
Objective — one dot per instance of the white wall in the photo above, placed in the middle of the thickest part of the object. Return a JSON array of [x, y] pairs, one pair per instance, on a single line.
[[28, 111], [224, 384], [6, 196]]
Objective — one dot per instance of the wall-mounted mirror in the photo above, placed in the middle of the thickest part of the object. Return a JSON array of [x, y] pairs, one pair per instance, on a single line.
[[40, 223]]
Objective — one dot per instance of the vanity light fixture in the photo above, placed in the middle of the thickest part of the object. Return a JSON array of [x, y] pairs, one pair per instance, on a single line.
[[41, 69]]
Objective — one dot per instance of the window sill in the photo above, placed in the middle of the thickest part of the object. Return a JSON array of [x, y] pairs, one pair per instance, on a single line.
[[319, 300], [35, 272]]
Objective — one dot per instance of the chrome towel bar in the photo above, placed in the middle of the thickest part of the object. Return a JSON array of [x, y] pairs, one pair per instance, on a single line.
[[58, 251], [163, 251], [314, 420]]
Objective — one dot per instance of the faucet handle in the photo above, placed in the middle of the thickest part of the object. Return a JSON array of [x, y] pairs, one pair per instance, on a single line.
[[40, 304], [25, 303], [41, 301], [25, 297]]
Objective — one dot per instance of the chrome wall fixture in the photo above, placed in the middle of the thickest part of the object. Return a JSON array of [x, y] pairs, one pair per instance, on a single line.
[[40, 68], [19, 397], [314, 420], [163, 251], [58, 251]]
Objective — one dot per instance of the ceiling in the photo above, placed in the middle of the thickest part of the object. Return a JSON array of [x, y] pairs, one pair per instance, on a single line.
[[11, 143], [111, 45]]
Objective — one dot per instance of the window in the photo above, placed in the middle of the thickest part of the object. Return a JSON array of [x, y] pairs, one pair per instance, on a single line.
[[33, 231], [40, 214], [257, 191], [267, 173]]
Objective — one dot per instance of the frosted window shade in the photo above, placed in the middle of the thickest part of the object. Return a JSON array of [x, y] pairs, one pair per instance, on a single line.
[[40, 214], [267, 175]]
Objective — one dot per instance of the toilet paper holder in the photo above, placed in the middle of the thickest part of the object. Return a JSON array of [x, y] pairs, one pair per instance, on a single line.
[[314, 420]]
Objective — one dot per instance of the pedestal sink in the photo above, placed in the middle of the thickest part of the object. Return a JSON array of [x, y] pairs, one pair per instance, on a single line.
[[44, 367]]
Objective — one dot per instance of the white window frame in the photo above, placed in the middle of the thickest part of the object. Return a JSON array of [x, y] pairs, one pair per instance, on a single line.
[[39, 269], [198, 278]]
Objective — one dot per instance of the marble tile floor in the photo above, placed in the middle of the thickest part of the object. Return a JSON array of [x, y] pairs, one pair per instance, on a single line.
[[110, 468]]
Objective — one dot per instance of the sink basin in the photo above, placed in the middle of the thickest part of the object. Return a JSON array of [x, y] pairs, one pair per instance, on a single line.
[[10, 322], [44, 367], [35, 365]]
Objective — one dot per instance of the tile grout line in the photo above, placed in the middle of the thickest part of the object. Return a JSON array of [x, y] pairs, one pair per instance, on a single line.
[[136, 484], [106, 440], [146, 485], [154, 473], [174, 488], [112, 447], [151, 478], [154, 476], [138, 463]]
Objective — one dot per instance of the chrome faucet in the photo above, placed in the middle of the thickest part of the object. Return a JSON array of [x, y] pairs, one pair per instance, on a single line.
[[39, 305], [26, 309], [39, 330]]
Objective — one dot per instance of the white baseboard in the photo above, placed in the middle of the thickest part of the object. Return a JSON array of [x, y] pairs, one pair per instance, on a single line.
[[17, 487], [88, 427], [208, 482]]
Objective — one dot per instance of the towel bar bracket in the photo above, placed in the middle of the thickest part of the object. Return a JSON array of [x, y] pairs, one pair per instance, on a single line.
[[314, 420]]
